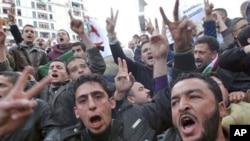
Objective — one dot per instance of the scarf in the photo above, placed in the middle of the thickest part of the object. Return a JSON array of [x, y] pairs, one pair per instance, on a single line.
[[212, 66]]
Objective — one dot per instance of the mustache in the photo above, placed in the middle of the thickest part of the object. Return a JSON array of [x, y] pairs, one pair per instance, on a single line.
[[198, 60], [184, 113]]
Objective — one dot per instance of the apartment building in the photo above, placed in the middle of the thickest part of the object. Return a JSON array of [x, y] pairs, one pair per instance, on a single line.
[[47, 16]]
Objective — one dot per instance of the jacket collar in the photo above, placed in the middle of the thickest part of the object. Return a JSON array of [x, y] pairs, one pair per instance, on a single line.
[[115, 131], [24, 45]]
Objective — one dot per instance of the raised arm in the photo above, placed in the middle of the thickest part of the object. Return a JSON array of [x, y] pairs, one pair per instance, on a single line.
[[18, 105], [159, 49], [181, 31], [4, 62], [95, 59], [115, 46], [123, 80], [13, 27]]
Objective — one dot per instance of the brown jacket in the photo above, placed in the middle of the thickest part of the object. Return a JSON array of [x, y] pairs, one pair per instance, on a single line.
[[24, 56]]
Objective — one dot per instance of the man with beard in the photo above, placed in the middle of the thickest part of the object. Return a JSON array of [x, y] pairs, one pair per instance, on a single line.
[[203, 57], [190, 94], [138, 94]]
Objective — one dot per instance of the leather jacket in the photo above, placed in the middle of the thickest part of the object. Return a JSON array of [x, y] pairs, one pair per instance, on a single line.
[[39, 127], [23, 56]]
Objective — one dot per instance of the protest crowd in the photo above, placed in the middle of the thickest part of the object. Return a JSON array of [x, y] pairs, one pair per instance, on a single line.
[[191, 89]]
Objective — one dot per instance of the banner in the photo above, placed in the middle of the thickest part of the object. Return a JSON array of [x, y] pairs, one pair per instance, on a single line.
[[98, 35], [193, 9]]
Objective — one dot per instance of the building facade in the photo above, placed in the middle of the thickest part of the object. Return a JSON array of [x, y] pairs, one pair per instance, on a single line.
[[47, 16]]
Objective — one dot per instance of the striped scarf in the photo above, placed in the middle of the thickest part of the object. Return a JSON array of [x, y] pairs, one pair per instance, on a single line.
[[212, 66]]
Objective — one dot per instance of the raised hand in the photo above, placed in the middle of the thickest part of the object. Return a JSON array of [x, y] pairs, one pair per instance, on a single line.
[[158, 42], [208, 9], [2, 36], [237, 96], [75, 24], [17, 106], [111, 23], [181, 30], [12, 14], [149, 26], [123, 80]]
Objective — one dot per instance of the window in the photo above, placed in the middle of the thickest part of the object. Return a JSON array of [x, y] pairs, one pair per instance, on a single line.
[[51, 16], [7, 1], [41, 6], [42, 16], [34, 14], [74, 37], [20, 22], [19, 12], [44, 34], [50, 7], [18, 3], [77, 13], [53, 35], [35, 24], [77, 5], [36, 33], [52, 26], [5, 10], [33, 4], [43, 25]]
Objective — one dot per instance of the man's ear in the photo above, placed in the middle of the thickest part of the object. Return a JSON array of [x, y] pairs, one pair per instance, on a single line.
[[112, 102], [131, 99], [222, 108], [214, 54], [248, 40], [76, 112]]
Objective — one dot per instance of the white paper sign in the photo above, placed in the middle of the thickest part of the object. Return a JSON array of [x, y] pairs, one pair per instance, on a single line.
[[169, 37], [193, 9]]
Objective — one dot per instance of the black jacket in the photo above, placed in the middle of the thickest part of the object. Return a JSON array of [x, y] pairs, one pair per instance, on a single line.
[[62, 111], [130, 122], [141, 72], [185, 63], [39, 127]]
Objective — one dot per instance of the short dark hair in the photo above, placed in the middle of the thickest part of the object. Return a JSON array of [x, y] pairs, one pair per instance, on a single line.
[[212, 85], [12, 76], [136, 36], [73, 58], [92, 78], [145, 36], [57, 60], [79, 44], [223, 10], [244, 4], [27, 25], [64, 31], [243, 35], [212, 42], [143, 43], [234, 22]]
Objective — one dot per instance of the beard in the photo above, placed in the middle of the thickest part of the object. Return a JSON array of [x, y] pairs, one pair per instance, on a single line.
[[211, 125]]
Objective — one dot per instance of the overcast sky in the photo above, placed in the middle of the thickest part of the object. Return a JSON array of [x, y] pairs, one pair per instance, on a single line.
[[128, 25]]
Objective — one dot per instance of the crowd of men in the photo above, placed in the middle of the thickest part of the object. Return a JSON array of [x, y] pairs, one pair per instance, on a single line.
[[191, 90]]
